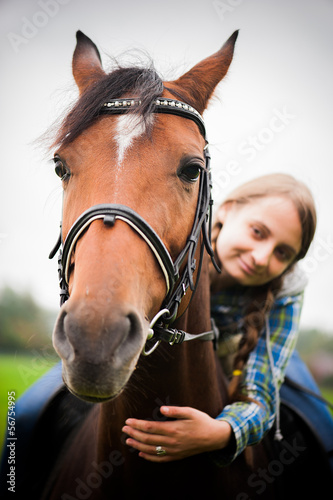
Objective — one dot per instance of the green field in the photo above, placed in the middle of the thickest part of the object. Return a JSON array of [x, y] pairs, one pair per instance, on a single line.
[[17, 373], [328, 394]]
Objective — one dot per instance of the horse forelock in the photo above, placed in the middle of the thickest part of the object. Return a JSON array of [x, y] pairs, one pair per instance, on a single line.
[[142, 83]]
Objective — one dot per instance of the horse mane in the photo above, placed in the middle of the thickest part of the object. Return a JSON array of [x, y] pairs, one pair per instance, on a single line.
[[143, 83]]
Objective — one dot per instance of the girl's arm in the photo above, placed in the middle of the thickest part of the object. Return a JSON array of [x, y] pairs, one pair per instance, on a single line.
[[251, 420], [240, 424]]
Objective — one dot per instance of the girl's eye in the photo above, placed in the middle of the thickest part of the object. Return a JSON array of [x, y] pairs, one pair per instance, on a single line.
[[61, 170], [282, 254], [256, 231], [190, 173]]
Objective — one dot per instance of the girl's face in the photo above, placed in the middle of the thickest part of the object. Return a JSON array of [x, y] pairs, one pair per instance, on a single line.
[[258, 241]]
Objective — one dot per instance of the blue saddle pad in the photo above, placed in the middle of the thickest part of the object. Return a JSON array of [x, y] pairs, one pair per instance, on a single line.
[[312, 410]]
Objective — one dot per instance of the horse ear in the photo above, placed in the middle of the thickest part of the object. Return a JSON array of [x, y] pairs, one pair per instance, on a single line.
[[87, 65], [200, 82]]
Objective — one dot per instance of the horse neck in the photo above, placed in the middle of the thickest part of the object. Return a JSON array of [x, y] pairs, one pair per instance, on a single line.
[[197, 317], [200, 373], [183, 375]]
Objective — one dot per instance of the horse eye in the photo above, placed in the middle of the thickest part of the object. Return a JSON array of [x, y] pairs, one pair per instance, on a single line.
[[190, 173], [60, 169]]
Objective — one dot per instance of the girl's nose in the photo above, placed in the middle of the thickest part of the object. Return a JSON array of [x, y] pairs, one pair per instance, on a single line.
[[261, 255]]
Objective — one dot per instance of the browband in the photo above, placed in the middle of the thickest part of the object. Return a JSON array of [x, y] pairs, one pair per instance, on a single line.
[[161, 105]]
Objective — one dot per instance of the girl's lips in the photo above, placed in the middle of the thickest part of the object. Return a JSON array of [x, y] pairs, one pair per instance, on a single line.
[[246, 268]]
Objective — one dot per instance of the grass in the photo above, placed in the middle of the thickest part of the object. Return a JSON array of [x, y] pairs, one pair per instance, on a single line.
[[17, 373], [328, 394]]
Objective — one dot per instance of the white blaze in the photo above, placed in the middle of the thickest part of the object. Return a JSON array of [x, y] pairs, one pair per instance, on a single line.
[[129, 127]]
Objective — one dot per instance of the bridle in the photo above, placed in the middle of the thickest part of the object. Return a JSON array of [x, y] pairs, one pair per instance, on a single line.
[[176, 284]]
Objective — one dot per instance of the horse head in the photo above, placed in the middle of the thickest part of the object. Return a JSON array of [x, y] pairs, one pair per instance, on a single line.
[[140, 169]]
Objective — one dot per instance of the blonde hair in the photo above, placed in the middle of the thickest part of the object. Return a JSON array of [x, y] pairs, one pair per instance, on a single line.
[[282, 185]]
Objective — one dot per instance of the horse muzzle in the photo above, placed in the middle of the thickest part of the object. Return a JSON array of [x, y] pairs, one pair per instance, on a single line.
[[98, 369]]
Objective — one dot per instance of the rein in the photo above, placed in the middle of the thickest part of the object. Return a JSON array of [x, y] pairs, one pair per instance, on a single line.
[[176, 285]]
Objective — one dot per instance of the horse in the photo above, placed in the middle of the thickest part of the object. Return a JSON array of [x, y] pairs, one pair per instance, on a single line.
[[134, 329]]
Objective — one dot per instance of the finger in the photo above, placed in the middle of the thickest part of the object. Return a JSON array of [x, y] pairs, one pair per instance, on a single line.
[[149, 426], [156, 458], [148, 452], [153, 427], [143, 437], [142, 447], [181, 412]]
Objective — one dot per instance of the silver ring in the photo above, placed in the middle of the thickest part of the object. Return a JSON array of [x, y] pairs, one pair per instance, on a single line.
[[160, 451]]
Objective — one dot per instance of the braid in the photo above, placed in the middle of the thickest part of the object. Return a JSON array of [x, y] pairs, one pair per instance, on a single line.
[[254, 322]]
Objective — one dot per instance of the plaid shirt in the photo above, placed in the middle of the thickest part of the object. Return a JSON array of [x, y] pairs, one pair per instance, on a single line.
[[250, 421]]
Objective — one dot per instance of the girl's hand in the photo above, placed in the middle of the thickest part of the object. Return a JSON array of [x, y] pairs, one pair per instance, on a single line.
[[191, 433]]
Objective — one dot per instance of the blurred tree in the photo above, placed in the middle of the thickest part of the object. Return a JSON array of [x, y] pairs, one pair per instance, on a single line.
[[23, 323], [316, 349], [311, 340]]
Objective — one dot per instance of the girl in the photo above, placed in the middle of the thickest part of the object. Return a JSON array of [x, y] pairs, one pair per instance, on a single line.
[[262, 229]]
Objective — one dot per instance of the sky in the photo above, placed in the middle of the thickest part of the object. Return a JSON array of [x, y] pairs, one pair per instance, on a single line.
[[272, 113]]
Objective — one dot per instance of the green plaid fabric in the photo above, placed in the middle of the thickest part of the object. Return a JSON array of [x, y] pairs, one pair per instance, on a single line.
[[250, 421]]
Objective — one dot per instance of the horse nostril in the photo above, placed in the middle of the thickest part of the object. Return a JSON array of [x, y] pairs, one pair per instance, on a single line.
[[61, 342], [135, 325], [131, 336]]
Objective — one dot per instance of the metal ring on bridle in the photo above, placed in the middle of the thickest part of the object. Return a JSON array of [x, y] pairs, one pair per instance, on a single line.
[[151, 331], [160, 451]]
